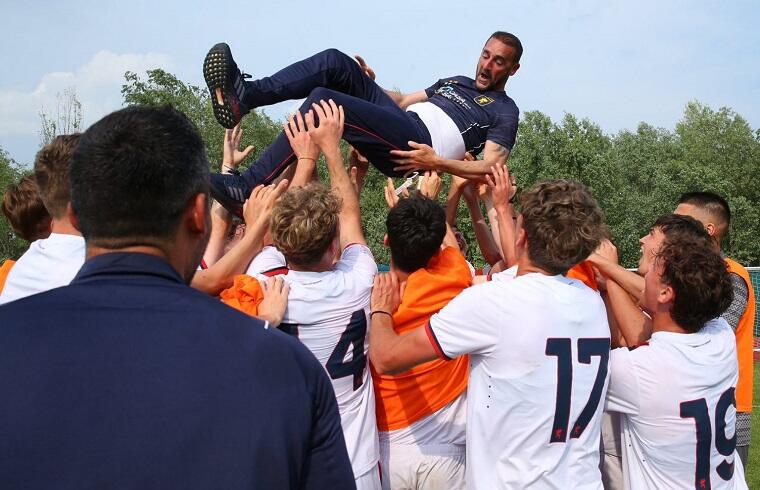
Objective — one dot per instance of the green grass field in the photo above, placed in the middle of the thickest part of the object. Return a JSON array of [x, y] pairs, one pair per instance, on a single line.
[[753, 468]]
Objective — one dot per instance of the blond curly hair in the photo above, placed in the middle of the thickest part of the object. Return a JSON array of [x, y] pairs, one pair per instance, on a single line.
[[304, 222], [563, 224]]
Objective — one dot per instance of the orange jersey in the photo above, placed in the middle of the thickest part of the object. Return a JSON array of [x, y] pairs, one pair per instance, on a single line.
[[744, 344], [405, 398], [5, 268], [584, 272], [245, 295]]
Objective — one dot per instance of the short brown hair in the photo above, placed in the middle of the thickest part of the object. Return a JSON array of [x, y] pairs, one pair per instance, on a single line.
[[699, 278], [51, 169], [562, 223], [510, 40], [304, 222], [25, 210]]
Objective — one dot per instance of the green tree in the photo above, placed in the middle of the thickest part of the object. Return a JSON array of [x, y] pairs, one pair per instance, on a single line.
[[67, 118], [162, 88]]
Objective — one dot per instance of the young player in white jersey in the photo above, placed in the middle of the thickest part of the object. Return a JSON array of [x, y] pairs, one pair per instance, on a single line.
[[538, 345], [328, 304], [53, 261], [676, 392]]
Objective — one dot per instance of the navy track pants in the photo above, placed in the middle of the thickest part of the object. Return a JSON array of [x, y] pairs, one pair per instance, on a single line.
[[374, 124]]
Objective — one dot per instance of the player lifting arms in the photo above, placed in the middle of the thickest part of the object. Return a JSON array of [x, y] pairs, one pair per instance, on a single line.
[[676, 392], [539, 348], [429, 130], [322, 254]]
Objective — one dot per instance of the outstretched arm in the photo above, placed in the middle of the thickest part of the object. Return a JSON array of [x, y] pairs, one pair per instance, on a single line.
[[327, 137], [257, 210], [389, 352], [423, 157]]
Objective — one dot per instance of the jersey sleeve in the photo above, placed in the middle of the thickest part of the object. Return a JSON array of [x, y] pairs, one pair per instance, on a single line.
[[623, 393], [431, 89], [357, 258], [269, 259], [504, 131], [461, 327]]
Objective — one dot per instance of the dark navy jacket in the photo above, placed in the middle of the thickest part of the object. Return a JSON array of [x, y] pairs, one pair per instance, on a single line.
[[128, 378]]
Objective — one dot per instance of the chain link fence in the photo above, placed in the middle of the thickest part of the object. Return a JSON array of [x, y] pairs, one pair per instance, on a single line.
[[754, 276]]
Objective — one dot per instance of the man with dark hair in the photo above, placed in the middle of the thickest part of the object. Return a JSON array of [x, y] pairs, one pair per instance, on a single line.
[[676, 392], [421, 413], [52, 261], [416, 228], [427, 130], [538, 347], [714, 213], [127, 378]]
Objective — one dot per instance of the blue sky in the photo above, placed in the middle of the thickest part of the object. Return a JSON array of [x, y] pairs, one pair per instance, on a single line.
[[617, 63]]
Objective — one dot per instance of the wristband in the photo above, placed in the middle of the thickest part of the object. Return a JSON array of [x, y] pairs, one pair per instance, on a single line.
[[307, 158], [380, 311]]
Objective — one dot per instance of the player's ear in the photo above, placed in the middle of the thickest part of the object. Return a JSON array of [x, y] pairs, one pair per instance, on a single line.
[[514, 69], [666, 294], [386, 242], [711, 229]]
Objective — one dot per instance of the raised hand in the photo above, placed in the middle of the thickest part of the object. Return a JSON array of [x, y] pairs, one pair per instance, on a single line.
[[430, 185], [259, 205], [331, 118], [501, 185], [298, 136], [232, 157], [365, 68]]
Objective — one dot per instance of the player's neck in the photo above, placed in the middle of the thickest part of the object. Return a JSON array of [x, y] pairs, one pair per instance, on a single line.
[[402, 276], [63, 226], [525, 266], [663, 322]]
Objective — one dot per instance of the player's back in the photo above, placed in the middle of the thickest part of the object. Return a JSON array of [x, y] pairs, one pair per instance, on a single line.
[[677, 396], [328, 312], [535, 389]]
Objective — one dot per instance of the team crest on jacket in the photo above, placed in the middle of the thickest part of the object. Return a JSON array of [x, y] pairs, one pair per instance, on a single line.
[[483, 100]]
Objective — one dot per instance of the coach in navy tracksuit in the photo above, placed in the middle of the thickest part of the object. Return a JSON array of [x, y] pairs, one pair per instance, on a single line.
[[128, 378], [426, 130]]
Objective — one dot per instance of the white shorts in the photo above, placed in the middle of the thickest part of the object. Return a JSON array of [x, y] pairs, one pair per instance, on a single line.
[[441, 467], [369, 480]]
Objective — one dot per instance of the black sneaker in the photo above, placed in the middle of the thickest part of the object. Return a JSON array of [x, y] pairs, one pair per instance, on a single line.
[[230, 191], [226, 84]]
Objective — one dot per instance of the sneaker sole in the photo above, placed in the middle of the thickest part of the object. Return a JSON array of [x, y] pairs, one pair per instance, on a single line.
[[216, 74]]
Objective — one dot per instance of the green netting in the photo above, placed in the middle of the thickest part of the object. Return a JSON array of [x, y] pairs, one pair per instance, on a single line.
[[754, 275]]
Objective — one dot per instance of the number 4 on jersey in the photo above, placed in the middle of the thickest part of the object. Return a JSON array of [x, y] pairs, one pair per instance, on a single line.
[[562, 349], [351, 338]]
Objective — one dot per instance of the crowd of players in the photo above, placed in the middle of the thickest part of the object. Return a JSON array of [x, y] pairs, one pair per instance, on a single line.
[[291, 362]]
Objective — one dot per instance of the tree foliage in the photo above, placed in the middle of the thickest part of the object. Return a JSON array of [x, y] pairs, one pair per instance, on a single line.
[[635, 175], [67, 118]]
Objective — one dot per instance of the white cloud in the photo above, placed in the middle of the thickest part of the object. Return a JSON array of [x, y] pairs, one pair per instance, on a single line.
[[97, 84]]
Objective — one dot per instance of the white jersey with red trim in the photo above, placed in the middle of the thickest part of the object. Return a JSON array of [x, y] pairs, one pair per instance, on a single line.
[[328, 312], [676, 396], [539, 348]]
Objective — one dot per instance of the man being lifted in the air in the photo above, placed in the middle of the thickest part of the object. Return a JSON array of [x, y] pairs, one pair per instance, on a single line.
[[426, 130]]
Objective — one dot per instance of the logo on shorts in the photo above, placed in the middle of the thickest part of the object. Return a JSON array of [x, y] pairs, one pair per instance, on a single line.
[[483, 100]]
